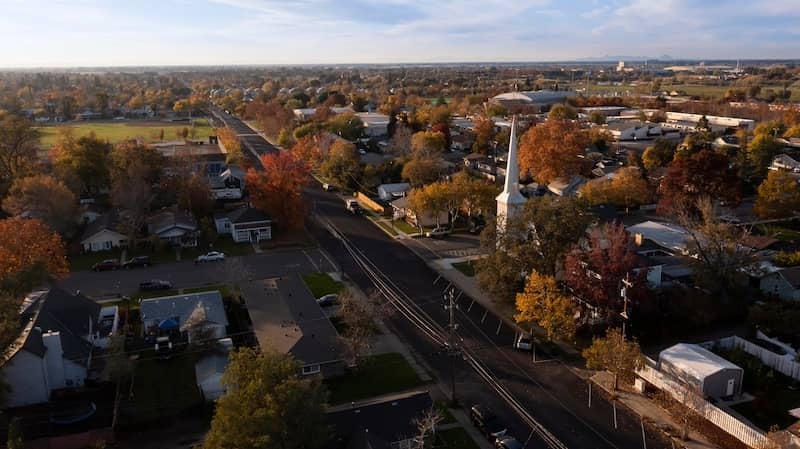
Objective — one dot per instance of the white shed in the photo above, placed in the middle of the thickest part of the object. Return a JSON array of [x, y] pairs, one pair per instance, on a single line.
[[701, 368]]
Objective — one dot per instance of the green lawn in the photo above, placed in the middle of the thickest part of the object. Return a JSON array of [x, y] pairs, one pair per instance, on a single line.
[[466, 268], [779, 232], [85, 261], [116, 131], [457, 438], [447, 417], [321, 284], [164, 388], [378, 375]]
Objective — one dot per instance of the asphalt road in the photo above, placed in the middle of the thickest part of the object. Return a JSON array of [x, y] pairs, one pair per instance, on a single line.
[[549, 390], [187, 274]]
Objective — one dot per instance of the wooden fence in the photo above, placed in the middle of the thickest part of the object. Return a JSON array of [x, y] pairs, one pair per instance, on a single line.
[[743, 432]]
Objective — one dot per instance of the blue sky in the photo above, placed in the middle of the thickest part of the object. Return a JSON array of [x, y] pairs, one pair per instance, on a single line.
[[53, 33]]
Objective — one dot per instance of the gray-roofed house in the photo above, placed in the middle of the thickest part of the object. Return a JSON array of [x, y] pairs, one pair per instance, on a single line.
[[383, 423], [246, 224], [389, 192], [784, 284], [102, 235], [174, 226], [287, 318], [53, 349], [195, 315]]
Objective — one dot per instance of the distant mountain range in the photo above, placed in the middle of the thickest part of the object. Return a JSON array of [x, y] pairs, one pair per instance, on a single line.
[[626, 58]]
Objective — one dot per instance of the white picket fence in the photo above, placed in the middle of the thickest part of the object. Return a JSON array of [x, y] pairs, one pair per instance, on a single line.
[[743, 432], [781, 363]]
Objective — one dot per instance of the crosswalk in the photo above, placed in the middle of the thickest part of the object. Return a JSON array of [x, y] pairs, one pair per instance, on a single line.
[[462, 252]]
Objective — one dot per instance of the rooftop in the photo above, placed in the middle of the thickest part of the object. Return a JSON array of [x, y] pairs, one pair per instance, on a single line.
[[695, 360]]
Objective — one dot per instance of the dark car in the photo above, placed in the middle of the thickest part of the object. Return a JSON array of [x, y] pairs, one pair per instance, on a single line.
[[155, 284], [487, 422], [106, 265], [135, 262]]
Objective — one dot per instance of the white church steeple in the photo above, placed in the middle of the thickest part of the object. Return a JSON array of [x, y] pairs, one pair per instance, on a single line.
[[510, 200]]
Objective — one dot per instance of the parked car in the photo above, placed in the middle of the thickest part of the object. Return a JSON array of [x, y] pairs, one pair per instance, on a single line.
[[508, 443], [138, 261], [155, 284], [437, 232], [477, 229], [163, 348], [328, 300], [328, 187], [106, 265], [353, 207], [487, 422], [211, 256], [524, 343]]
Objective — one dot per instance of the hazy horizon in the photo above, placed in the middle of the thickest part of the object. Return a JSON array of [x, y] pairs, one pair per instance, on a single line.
[[96, 33]]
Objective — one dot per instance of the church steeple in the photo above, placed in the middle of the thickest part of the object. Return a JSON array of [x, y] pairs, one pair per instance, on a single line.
[[510, 200]]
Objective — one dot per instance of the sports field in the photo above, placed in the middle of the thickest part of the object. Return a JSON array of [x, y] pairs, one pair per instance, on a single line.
[[117, 131]]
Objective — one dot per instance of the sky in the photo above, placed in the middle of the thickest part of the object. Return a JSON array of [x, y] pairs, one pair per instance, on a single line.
[[67, 33]]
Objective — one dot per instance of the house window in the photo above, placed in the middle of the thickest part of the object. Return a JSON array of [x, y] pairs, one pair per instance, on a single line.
[[227, 225], [310, 369], [108, 244]]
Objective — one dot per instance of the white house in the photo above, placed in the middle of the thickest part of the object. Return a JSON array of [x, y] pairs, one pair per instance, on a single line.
[[786, 163], [209, 368], [53, 350], [245, 225], [375, 124], [784, 284], [187, 314], [101, 234], [389, 192]]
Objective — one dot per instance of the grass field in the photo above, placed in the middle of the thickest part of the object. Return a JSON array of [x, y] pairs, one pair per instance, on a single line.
[[164, 388], [379, 374], [321, 284], [117, 131]]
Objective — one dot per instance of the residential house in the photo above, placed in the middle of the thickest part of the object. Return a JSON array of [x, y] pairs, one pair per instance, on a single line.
[[174, 226], [54, 349], [461, 142], [102, 235], [784, 162], [229, 184], [567, 186], [389, 192], [784, 284], [671, 237], [245, 224], [209, 368], [376, 125], [195, 316], [287, 318], [402, 210], [490, 168], [387, 422]]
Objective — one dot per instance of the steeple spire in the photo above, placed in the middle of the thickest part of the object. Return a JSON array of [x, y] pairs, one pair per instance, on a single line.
[[510, 199]]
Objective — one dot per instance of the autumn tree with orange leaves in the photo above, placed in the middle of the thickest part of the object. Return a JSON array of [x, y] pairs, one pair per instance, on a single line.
[[277, 189], [30, 254], [550, 150]]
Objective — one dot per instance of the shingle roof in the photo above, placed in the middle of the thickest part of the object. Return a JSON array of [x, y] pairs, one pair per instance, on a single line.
[[183, 306], [247, 215], [167, 219], [287, 318], [108, 220]]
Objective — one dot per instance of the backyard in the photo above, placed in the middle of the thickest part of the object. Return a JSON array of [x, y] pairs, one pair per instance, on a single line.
[[164, 388], [117, 131]]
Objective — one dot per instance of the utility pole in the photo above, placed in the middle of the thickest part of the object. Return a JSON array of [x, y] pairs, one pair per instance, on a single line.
[[626, 284], [452, 352]]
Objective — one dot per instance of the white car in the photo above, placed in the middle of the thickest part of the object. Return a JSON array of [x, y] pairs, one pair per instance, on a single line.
[[437, 232], [209, 257], [328, 300]]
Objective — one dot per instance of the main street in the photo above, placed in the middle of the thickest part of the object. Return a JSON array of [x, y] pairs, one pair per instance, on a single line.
[[549, 390]]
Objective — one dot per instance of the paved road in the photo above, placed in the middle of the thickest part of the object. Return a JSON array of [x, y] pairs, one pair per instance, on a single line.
[[549, 390], [255, 145], [187, 274]]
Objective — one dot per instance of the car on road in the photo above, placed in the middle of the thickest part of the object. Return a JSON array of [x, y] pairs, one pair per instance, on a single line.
[[154, 284], [210, 257], [487, 422], [437, 232], [508, 443], [135, 262], [106, 265], [353, 207], [328, 187], [524, 343], [328, 300]]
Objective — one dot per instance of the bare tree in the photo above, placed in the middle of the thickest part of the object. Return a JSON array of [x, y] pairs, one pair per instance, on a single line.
[[426, 427], [359, 318]]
